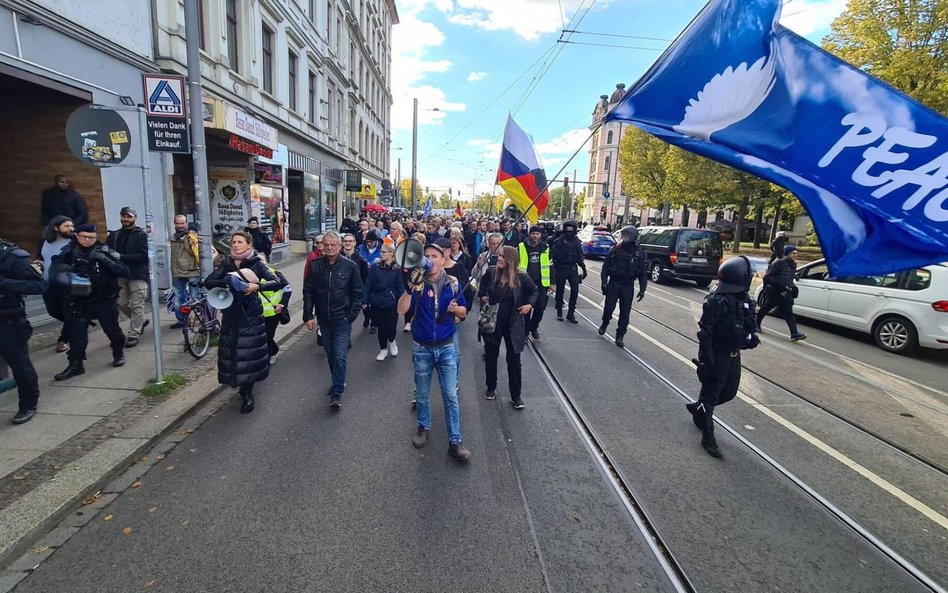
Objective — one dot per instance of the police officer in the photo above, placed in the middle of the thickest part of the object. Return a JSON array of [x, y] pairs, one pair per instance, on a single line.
[[727, 326], [535, 261], [17, 278], [623, 266], [88, 272], [567, 253]]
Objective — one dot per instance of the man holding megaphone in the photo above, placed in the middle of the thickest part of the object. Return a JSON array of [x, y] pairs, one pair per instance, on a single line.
[[437, 300]]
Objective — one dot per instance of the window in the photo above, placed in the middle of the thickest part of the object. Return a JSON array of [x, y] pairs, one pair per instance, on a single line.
[[609, 138], [608, 162], [200, 11], [887, 281], [267, 48], [918, 279], [313, 101], [232, 52], [292, 76], [816, 272], [329, 96], [329, 19]]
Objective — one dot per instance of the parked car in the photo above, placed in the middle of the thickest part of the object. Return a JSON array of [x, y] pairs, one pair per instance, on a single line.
[[902, 310], [681, 252], [596, 241]]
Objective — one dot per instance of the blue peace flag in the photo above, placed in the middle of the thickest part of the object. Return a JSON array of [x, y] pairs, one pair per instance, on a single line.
[[869, 164], [427, 211]]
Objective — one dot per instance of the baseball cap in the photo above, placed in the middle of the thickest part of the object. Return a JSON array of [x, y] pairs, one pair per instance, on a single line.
[[128, 210]]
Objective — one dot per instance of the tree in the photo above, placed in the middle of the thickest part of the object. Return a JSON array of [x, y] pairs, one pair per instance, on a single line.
[[405, 185], [641, 167], [580, 201], [444, 201], [902, 42], [559, 203]]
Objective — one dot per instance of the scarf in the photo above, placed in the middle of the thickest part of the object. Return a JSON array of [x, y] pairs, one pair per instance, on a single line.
[[239, 258]]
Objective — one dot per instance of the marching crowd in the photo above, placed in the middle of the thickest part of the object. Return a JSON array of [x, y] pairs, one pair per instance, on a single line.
[[428, 273]]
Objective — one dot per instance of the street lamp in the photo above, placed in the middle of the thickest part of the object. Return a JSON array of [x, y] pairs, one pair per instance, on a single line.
[[414, 150]]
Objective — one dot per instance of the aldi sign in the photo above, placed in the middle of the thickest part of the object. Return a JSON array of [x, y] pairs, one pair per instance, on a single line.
[[164, 95]]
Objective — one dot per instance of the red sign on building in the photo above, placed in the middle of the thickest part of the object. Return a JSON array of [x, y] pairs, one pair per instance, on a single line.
[[238, 143]]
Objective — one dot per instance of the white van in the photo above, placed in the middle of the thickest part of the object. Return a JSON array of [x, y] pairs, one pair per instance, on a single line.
[[901, 311]]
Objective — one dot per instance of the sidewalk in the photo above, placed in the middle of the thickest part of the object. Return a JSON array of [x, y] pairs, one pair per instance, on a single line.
[[89, 428]]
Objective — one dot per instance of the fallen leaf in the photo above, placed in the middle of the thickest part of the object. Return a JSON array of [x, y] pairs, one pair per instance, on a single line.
[[179, 433], [152, 509], [40, 549], [92, 498], [145, 458], [57, 467], [194, 450], [107, 518], [136, 484], [150, 584], [127, 531], [577, 519], [160, 457], [19, 477], [189, 431], [169, 468]]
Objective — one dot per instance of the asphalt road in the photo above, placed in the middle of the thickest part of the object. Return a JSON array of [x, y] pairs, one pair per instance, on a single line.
[[295, 497]]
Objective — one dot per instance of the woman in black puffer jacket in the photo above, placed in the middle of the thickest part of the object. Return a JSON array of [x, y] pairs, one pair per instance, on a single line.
[[383, 286], [242, 355]]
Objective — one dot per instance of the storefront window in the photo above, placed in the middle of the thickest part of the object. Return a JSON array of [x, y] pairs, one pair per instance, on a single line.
[[313, 207], [331, 205]]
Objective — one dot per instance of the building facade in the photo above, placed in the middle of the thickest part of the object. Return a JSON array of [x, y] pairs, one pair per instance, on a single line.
[[295, 94]]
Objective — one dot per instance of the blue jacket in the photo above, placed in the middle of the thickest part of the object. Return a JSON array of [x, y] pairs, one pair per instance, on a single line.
[[373, 256], [383, 286], [425, 328]]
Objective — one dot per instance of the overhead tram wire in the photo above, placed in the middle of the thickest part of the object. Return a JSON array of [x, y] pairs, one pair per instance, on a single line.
[[618, 35], [567, 42]]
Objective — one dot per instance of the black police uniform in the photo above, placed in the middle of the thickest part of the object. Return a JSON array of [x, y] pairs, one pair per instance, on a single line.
[[567, 254], [101, 266], [17, 278], [624, 265], [727, 326]]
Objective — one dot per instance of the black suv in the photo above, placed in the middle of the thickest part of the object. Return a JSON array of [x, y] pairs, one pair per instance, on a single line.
[[681, 252]]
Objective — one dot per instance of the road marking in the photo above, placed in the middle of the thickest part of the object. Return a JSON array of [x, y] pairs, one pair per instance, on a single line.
[[876, 479]]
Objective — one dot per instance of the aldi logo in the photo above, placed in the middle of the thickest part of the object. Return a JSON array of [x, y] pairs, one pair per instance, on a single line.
[[164, 95]]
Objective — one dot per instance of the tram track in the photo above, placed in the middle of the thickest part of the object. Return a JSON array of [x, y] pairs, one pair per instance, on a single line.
[[627, 491], [855, 425], [613, 474]]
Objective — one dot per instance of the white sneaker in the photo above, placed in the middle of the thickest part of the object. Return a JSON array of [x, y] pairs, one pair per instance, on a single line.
[[383, 354], [393, 348], [273, 359], [407, 327]]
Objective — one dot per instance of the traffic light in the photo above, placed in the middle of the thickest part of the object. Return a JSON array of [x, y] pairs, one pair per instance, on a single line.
[[566, 182], [426, 190]]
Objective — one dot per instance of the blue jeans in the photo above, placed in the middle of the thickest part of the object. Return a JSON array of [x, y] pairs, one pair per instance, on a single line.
[[457, 351], [336, 343], [426, 359], [181, 293]]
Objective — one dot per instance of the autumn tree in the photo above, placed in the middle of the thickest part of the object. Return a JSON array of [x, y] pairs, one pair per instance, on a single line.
[[902, 42]]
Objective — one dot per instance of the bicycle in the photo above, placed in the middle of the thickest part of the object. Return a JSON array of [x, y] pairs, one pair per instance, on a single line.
[[200, 324]]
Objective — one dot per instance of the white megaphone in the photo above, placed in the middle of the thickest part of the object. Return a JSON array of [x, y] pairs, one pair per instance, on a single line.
[[410, 254], [220, 298]]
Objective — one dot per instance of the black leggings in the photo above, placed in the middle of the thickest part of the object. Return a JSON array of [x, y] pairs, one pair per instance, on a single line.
[[386, 320]]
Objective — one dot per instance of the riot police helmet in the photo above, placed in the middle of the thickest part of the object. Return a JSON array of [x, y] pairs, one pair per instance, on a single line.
[[570, 226], [734, 276], [629, 234]]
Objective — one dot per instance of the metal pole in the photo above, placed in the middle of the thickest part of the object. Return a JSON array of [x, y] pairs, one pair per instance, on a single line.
[[398, 187], [150, 234], [414, 153], [202, 205], [572, 197]]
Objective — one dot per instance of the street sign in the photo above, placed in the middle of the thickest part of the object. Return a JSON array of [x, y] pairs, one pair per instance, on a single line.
[[606, 194], [353, 180], [165, 110], [98, 137], [164, 95]]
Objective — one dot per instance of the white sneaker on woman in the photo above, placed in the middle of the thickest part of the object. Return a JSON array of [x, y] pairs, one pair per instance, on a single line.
[[383, 354], [393, 348]]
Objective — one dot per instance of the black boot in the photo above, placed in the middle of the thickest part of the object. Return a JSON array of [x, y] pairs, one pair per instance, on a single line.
[[74, 369], [571, 316], [697, 414], [559, 314], [707, 433], [603, 328], [620, 341], [246, 396]]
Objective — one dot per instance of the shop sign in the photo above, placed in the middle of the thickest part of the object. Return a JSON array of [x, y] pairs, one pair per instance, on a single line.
[[353, 180], [265, 173], [238, 143], [247, 126], [230, 199], [97, 137], [367, 192], [164, 95]]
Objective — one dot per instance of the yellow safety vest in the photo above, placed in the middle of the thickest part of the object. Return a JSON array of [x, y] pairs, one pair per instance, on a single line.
[[270, 299], [544, 264]]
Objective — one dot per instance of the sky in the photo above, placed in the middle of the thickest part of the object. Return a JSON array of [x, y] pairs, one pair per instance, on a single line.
[[471, 62]]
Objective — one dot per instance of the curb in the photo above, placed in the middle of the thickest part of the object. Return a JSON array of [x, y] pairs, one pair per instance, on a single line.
[[36, 512]]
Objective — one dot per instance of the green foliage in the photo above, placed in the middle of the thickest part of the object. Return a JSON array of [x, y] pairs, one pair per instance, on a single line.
[[172, 381], [902, 42]]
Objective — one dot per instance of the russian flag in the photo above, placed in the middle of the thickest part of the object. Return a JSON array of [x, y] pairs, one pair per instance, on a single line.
[[520, 173]]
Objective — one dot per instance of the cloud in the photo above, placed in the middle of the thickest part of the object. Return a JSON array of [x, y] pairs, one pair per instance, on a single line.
[[529, 19], [475, 76], [806, 17]]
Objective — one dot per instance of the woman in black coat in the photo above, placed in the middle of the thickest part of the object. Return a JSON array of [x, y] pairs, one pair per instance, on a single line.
[[515, 292], [383, 287], [242, 355]]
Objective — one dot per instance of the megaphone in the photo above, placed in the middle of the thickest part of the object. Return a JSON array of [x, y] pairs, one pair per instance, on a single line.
[[410, 254], [220, 298]]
